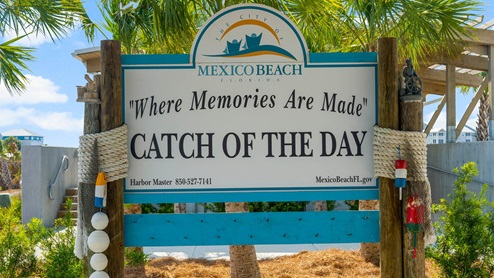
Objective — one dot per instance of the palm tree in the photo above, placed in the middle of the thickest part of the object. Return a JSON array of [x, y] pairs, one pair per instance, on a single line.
[[423, 27], [5, 176], [11, 147], [21, 18]]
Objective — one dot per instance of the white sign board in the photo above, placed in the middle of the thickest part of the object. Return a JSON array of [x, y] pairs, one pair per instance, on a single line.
[[251, 110]]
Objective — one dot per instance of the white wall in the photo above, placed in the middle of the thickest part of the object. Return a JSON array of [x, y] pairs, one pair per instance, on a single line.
[[443, 158], [39, 168]]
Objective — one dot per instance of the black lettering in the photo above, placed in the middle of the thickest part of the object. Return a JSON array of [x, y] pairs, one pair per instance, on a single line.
[[359, 142], [270, 142], [133, 145], [198, 103], [324, 141], [345, 145], [237, 145]]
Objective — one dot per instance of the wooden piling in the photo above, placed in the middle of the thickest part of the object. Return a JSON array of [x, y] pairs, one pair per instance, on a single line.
[[110, 118], [86, 191], [411, 119], [388, 117]]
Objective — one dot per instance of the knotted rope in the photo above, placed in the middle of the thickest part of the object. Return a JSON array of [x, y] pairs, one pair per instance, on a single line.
[[414, 150], [103, 152]]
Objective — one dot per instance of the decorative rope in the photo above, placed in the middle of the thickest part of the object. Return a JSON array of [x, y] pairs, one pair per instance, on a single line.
[[103, 152], [413, 149]]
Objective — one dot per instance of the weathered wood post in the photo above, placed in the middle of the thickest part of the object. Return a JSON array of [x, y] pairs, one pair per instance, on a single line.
[[111, 117], [388, 117], [86, 191], [89, 94], [411, 119]]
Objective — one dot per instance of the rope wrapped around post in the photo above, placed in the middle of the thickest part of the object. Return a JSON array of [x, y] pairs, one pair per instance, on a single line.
[[103, 152], [414, 150]]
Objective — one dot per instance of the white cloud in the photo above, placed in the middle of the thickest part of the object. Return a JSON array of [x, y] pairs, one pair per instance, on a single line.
[[38, 90], [58, 121], [31, 40]]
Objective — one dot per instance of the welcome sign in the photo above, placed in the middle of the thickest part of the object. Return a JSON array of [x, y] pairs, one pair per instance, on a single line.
[[249, 110]]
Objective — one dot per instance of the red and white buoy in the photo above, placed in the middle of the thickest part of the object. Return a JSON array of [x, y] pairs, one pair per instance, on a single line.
[[400, 173]]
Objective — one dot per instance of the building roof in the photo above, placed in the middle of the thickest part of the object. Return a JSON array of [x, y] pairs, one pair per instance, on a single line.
[[20, 132], [465, 129]]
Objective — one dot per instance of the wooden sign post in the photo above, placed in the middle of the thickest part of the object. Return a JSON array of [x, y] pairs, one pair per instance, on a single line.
[[111, 117], [390, 208], [411, 119]]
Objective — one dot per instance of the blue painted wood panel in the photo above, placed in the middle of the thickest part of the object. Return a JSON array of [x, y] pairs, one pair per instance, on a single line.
[[138, 198], [251, 228]]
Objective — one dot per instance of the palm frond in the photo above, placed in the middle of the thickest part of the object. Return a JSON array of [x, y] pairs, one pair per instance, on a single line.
[[12, 64]]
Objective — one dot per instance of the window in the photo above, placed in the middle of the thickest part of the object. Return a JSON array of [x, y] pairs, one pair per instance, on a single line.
[[441, 133], [434, 141], [467, 140], [433, 134], [468, 134], [441, 141]]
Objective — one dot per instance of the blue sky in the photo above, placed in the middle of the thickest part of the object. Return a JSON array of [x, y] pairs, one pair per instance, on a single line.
[[49, 106]]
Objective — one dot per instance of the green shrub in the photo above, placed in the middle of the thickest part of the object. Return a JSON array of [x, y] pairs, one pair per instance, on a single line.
[[465, 243], [352, 204], [134, 256], [58, 250], [17, 257], [163, 208], [261, 206], [331, 205], [277, 206]]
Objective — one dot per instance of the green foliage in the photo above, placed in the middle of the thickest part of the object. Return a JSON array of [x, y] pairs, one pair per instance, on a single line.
[[276, 206], [352, 204], [16, 207], [16, 249], [58, 250], [18, 241], [331, 205], [51, 19], [134, 256], [261, 206], [424, 27], [163, 208], [465, 243]]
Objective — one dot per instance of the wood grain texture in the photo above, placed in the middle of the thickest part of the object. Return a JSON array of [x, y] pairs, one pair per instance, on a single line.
[[411, 119], [111, 117], [388, 117]]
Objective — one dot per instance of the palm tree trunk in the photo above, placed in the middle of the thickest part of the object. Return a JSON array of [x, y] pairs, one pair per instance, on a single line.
[[179, 208], [370, 251], [320, 206], [5, 178], [483, 118], [243, 259]]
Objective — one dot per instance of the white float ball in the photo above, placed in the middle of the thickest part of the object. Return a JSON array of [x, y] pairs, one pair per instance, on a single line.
[[98, 241], [99, 220], [99, 261], [99, 274]]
